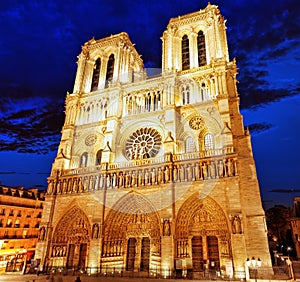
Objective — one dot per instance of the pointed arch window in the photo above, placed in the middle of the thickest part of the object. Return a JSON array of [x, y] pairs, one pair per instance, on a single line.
[[190, 145], [201, 49], [83, 160], [185, 49], [209, 142], [98, 157], [110, 69], [185, 92], [96, 75], [204, 92]]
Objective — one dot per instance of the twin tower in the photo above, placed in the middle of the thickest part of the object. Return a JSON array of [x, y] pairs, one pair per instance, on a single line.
[[155, 174]]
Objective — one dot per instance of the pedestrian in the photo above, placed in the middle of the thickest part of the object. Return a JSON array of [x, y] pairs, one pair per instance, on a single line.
[[78, 279]]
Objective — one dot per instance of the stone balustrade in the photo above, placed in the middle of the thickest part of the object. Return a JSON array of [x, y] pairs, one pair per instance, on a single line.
[[198, 166]]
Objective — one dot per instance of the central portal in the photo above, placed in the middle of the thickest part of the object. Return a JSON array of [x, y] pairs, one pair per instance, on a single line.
[[133, 252]]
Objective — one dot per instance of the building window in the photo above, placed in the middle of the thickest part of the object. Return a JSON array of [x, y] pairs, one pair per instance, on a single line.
[[185, 92], [96, 75], [2, 211], [209, 142], [190, 145], [9, 223], [83, 160], [17, 223], [185, 50], [11, 213], [201, 49], [143, 143], [19, 214], [98, 157], [204, 92], [110, 69]]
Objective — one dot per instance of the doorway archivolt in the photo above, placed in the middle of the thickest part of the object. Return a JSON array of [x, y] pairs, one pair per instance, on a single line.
[[71, 235], [202, 232], [132, 226]]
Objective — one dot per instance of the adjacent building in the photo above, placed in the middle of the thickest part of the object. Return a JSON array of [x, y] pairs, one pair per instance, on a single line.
[[20, 218], [295, 224], [155, 173]]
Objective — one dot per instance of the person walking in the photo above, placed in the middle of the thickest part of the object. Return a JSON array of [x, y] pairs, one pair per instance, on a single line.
[[77, 279]]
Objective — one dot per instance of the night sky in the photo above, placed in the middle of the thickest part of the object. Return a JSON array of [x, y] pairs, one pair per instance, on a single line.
[[40, 42]]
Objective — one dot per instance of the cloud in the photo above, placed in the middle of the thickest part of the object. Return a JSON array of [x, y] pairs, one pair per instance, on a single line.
[[256, 128], [31, 126]]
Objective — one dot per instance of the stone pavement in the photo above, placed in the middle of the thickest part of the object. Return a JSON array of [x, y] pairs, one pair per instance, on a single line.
[[61, 278]]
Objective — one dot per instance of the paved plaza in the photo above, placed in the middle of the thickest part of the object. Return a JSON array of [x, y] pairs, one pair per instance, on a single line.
[[62, 278]]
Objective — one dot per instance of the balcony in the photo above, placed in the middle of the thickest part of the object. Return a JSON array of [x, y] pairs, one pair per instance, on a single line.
[[196, 166]]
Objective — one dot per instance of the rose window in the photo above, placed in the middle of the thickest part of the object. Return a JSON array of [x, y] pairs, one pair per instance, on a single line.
[[142, 144]]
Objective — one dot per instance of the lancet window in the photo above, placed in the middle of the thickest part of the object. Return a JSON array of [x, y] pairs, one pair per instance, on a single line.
[[185, 92], [201, 49], [110, 69], [96, 74], [209, 142], [98, 157], [204, 92], [185, 52], [190, 145], [83, 160]]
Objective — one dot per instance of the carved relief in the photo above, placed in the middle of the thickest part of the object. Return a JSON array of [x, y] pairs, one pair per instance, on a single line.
[[90, 139], [73, 228], [203, 217]]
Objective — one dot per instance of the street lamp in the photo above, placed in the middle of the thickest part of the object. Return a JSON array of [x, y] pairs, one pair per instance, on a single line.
[[288, 250]]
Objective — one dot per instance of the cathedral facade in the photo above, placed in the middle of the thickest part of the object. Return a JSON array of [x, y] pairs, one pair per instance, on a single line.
[[155, 172]]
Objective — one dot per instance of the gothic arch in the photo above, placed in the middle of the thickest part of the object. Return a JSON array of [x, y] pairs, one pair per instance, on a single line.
[[73, 228], [202, 222], [202, 217], [132, 216]]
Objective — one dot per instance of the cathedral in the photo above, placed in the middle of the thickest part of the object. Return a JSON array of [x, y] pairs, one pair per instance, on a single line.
[[155, 173]]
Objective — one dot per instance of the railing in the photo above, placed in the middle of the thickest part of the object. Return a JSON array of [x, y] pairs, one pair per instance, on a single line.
[[199, 166], [268, 273]]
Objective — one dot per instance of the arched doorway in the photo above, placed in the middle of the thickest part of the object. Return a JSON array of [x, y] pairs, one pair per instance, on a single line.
[[202, 233], [131, 235], [71, 239]]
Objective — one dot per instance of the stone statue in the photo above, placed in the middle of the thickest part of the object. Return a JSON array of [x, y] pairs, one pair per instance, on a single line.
[[166, 227], [236, 225], [95, 231], [42, 233]]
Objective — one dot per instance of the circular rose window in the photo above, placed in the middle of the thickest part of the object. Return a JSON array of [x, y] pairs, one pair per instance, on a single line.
[[142, 144]]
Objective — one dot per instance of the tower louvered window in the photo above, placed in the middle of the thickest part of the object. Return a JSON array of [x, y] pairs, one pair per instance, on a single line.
[[201, 49], [96, 74], [110, 69], [185, 53]]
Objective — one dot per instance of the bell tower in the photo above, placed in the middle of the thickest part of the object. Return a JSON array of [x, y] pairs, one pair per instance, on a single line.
[[194, 40], [106, 61]]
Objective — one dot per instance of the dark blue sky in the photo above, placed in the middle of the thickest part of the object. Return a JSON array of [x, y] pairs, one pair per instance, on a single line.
[[40, 40]]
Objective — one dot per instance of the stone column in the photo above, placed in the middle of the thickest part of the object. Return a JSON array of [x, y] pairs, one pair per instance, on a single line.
[[193, 50], [80, 72], [103, 68], [87, 80]]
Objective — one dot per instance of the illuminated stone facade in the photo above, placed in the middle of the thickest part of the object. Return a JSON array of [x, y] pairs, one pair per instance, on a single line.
[[155, 173]]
